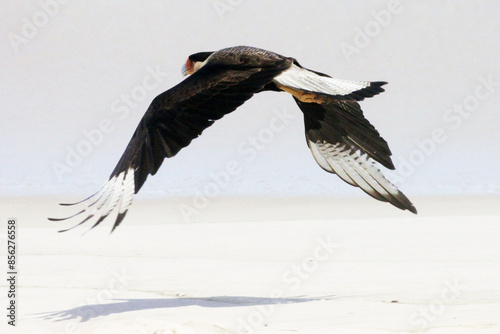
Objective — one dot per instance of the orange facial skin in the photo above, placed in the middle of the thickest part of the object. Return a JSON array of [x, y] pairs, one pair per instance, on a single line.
[[187, 68]]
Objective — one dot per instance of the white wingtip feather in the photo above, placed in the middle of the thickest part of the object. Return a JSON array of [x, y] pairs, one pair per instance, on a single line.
[[357, 169]]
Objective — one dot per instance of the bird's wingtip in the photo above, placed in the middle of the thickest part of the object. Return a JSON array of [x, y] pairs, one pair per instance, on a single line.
[[413, 210]]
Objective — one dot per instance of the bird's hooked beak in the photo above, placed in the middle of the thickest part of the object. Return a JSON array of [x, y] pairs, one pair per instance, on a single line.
[[187, 68]]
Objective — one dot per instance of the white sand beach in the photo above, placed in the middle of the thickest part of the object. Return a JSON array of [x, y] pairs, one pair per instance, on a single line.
[[238, 272]]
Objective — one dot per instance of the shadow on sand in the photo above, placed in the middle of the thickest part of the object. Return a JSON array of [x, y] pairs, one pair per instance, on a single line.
[[88, 312]]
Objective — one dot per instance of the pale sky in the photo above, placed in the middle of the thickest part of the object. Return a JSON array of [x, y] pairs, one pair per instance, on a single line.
[[76, 78]]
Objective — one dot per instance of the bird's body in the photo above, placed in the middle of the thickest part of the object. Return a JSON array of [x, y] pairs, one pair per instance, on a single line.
[[340, 137]]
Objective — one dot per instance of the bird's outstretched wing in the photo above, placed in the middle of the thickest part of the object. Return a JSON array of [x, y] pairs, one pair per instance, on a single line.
[[341, 139], [172, 121], [344, 142]]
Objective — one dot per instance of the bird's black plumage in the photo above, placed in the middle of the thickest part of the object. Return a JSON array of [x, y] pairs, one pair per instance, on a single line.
[[179, 115], [341, 139]]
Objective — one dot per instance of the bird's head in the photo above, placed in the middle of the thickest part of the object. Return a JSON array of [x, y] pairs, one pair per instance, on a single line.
[[195, 62]]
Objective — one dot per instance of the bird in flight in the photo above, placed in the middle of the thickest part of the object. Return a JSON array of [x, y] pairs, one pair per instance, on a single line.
[[341, 139]]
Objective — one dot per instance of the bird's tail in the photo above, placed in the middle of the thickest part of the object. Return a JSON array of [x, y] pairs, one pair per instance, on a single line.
[[311, 86]]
